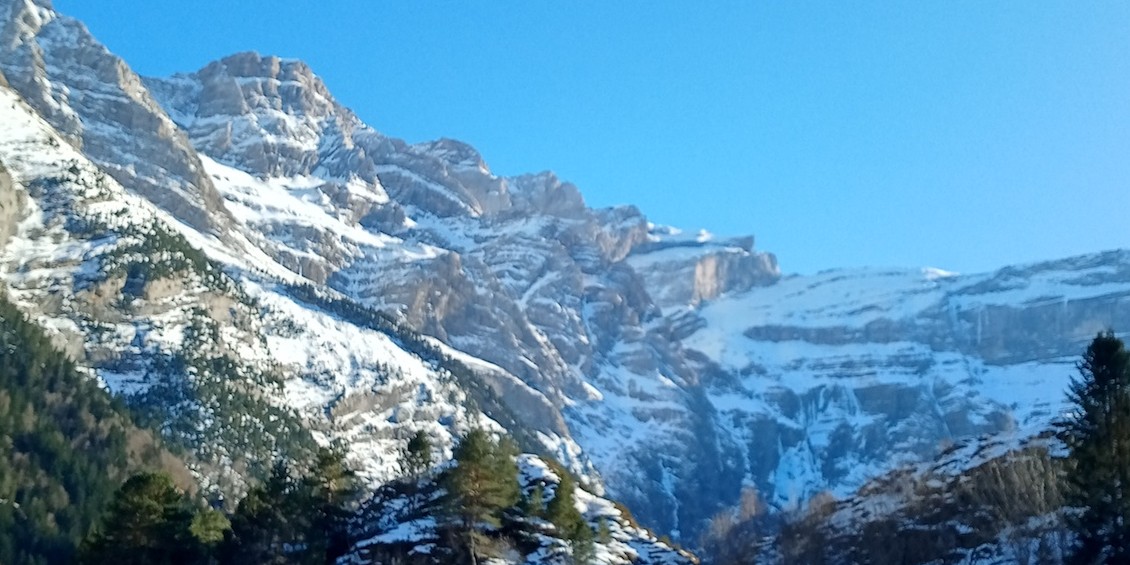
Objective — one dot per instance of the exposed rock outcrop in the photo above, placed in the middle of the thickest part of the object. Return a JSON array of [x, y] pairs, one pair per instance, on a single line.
[[98, 103]]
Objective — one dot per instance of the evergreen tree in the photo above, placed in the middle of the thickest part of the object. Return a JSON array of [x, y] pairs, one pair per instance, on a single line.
[[483, 483], [290, 519], [603, 532], [416, 459], [65, 447], [263, 527], [584, 551], [1098, 437], [148, 522], [562, 512], [329, 490], [562, 509], [208, 529], [534, 503]]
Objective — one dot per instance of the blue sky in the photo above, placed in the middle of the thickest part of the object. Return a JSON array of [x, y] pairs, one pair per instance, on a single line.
[[961, 135]]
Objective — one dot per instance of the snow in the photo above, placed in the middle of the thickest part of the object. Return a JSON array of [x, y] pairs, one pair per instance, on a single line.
[[823, 356], [627, 543], [837, 298], [357, 385]]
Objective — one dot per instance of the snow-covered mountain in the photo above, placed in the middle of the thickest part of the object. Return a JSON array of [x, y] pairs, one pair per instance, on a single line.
[[257, 270], [829, 379]]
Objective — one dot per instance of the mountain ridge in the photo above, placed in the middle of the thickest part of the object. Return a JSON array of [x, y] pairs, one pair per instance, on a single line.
[[672, 370]]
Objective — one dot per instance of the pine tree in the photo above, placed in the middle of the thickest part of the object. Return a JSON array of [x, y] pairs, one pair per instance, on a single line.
[[149, 522], [329, 490], [562, 509], [416, 459], [208, 529], [483, 483], [603, 532], [290, 519], [534, 503], [584, 550], [263, 527], [1098, 438], [571, 525]]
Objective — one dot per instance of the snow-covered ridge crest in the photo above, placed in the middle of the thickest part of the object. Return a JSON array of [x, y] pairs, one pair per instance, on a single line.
[[678, 368], [305, 364]]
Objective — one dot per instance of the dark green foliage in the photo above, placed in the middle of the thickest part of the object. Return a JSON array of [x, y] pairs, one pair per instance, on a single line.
[[483, 483], [533, 504], [331, 494], [290, 519], [581, 543], [416, 459], [563, 514], [152, 253], [208, 529], [204, 401], [65, 445], [603, 533], [1098, 437], [151, 522], [562, 509], [264, 522]]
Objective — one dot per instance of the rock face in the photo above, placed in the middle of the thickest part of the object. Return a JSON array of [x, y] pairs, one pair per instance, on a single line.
[[829, 379], [10, 206], [98, 103], [671, 369]]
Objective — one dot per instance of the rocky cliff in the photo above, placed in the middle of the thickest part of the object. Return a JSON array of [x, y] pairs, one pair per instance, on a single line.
[[91, 97], [253, 267]]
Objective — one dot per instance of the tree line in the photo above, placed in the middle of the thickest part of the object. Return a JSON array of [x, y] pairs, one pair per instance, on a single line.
[[310, 516], [291, 517], [65, 446]]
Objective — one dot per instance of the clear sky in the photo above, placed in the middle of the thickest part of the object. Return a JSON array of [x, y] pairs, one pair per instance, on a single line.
[[960, 135]]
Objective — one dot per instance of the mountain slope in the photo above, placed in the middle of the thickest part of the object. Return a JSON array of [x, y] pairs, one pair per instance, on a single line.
[[678, 363], [515, 271], [236, 370], [833, 378], [255, 270], [65, 445], [95, 101]]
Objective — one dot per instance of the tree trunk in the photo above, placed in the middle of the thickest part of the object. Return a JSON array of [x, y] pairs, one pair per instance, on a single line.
[[474, 557]]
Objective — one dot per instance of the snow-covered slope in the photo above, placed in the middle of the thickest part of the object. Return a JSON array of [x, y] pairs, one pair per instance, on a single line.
[[400, 526], [252, 265], [238, 370], [831, 379]]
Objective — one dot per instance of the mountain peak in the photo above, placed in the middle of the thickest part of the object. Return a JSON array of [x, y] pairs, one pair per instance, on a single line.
[[454, 152], [92, 98], [253, 65], [268, 115]]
